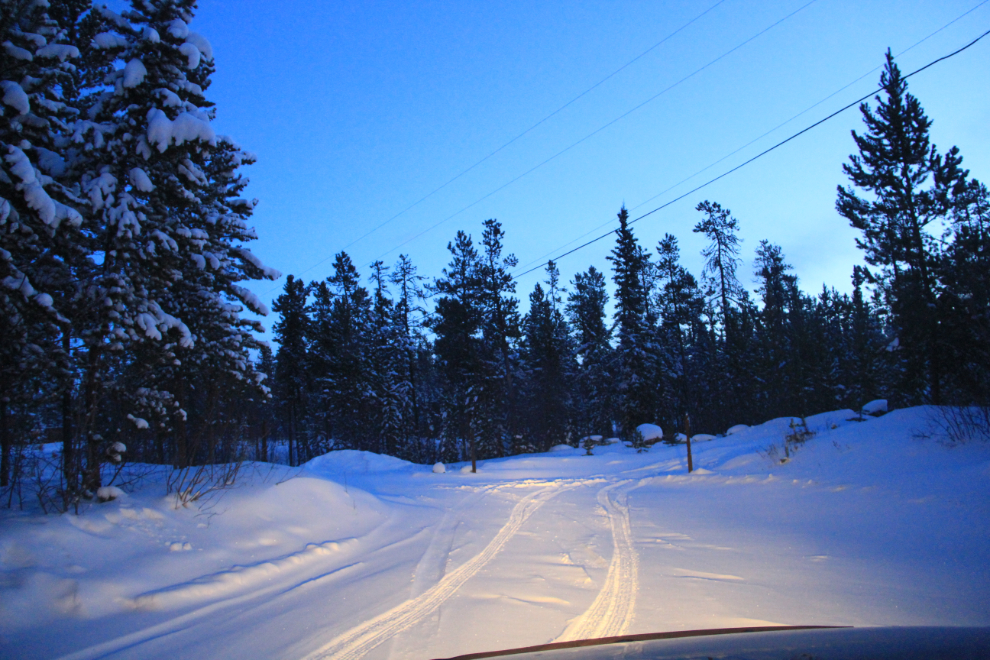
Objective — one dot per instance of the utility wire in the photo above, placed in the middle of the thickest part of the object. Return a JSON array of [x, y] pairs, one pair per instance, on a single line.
[[525, 132], [754, 158], [595, 132], [755, 140]]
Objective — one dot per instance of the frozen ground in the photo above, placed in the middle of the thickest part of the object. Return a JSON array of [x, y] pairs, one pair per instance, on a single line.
[[358, 555]]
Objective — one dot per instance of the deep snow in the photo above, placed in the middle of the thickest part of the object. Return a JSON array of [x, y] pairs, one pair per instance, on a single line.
[[880, 522]]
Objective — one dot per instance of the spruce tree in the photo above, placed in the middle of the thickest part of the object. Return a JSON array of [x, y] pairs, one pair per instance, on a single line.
[[456, 322], [500, 331], [964, 303], [549, 367], [349, 359], [292, 361], [680, 304], [163, 220], [39, 224], [635, 375], [592, 335]]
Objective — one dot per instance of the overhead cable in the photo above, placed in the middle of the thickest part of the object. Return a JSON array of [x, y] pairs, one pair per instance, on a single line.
[[754, 158], [541, 259]]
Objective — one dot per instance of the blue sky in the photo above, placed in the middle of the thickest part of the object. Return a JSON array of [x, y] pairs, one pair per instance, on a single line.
[[356, 111]]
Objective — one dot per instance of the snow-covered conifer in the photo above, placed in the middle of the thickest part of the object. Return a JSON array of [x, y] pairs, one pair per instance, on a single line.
[[167, 223]]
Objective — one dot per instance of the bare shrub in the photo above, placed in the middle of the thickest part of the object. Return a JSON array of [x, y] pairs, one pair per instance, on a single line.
[[963, 424], [200, 482]]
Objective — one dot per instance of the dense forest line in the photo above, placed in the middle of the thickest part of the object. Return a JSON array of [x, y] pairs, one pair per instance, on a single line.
[[450, 369], [122, 235]]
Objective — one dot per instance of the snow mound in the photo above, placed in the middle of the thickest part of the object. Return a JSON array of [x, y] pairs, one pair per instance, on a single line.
[[439, 468], [560, 448], [736, 429], [875, 407], [650, 432], [466, 469], [702, 437], [354, 461], [108, 493]]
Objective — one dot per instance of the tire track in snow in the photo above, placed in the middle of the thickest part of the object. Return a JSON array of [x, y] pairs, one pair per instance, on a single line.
[[356, 642], [613, 609]]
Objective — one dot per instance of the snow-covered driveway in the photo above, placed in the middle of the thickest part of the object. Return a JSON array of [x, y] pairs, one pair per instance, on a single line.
[[362, 556]]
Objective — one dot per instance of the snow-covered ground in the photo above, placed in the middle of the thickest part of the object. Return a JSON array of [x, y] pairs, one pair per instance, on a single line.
[[358, 555]]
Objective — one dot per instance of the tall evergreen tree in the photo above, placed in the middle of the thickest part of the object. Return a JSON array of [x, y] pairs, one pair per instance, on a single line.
[[39, 226], [292, 360], [349, 360], [411, 348], [635, 375], [548, 359], [681, 305], [908, 186], [721, 284], [592, 335], [964, 303], [500, 331], [456, 322]]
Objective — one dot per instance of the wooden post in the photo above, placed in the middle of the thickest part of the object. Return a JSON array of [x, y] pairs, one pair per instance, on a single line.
[[687, 432]]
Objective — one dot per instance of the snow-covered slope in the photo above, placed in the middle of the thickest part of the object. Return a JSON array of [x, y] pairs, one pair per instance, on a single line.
[[358, 555]]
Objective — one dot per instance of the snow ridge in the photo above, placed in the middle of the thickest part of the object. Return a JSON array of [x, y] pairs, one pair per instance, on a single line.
[[356, 642], [236, 579], [613, 609]]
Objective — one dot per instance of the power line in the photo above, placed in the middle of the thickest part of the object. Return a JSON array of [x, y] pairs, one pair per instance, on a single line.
[[757, 139], [754, 158], [524, 133], [595, 132]]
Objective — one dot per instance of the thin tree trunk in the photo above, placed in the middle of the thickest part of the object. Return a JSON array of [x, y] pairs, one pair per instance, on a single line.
[[4, 446], [687, 433], [91, 476], [68, 446], [180, 460], [292, 428]]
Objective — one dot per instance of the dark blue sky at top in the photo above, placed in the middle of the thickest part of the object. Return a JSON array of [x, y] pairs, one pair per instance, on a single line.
[[358, 110]]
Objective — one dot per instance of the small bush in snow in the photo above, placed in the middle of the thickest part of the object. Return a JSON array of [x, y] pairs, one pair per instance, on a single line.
[[108, 493]]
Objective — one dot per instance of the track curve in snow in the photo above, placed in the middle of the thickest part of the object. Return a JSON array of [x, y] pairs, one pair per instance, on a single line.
[[356, 642], [612, 611]]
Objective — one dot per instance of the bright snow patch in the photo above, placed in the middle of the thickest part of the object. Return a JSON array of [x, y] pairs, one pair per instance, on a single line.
[[14, 96], [134, 73], [875, 407], [736, 429], [108, 493], [650, 432], [439, 468]]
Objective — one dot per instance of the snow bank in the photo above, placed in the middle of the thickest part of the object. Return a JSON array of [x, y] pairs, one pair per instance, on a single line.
[[359, 547], [356, 462], [238, 578], [875, 407], [650, 432]]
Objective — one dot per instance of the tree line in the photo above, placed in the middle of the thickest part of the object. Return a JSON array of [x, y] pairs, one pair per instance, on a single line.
[[450, 369]]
